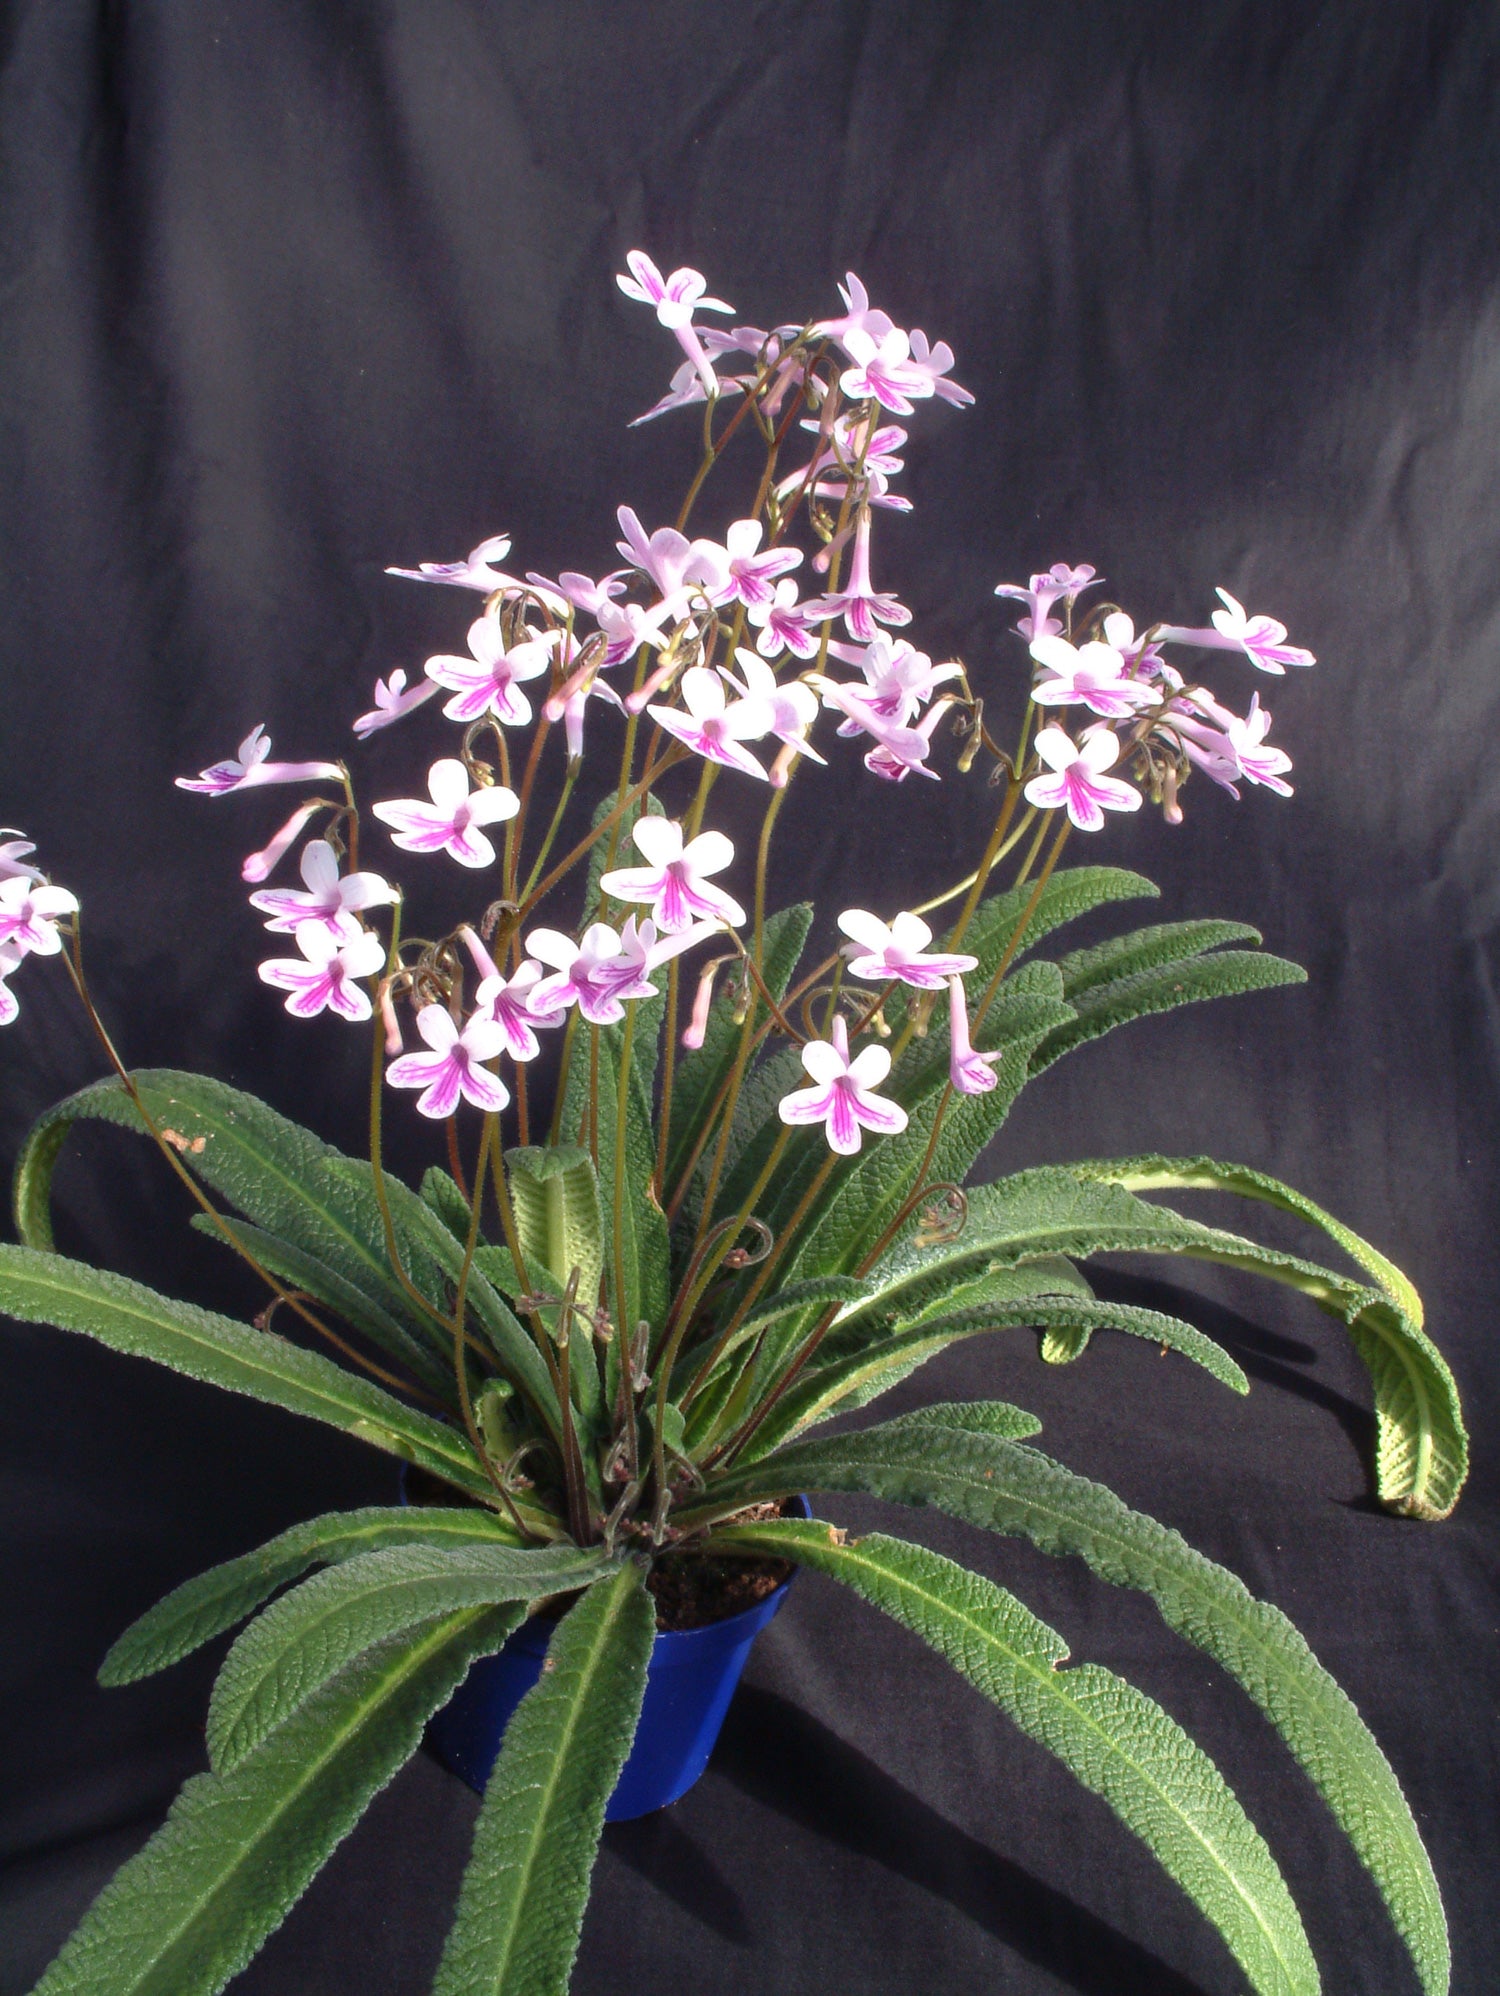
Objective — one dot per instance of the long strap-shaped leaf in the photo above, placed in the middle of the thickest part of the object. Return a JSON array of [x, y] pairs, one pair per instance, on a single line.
[[524, 1894], [305, 1272], [849, 1379], [984, 1478], [1422, 1448], [1116, 1740], [238, 1850], [203, 1607], [309, 1635], [285, 1179], [44, 1288]]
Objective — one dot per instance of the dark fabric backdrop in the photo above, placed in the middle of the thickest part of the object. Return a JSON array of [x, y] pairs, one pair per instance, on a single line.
[[295, 290]]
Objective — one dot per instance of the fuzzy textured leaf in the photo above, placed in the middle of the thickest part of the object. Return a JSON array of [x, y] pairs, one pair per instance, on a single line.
[[524, 1893], [203, 1607], [42, 1288], [849, 1378], [1117, 1741], [288, 1653], [975, 1473], [1145, 949], [305, 1272], [555, 1192], [1102, 1007], [238, 1850]]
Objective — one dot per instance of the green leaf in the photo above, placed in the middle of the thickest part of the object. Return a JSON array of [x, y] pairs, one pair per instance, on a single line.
[[280, 1176], [524, 1894], [974, 1473], [1146, 949], [643, 1224], [1104, 1006], [1117, 1741], [702, 1073], [1422, 1451], [851, 1378], [40, 1288], [211, 1602], [781, 1303], [291, 1650], [969, 1417], [305, 1272], [555, 1193], [441, 1197], [238, 1850], [289, 1182]]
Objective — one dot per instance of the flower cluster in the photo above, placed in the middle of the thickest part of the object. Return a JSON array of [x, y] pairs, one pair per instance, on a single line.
[[722, 651]]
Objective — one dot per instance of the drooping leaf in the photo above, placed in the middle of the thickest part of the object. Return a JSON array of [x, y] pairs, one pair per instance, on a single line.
[[291, 1650], [976, 1473], [1422, 1450], [1117, 1741], [42, 1288], [524, 1893], [238, 1850], [305, 1272], [1102, 1007], [203, 1607]]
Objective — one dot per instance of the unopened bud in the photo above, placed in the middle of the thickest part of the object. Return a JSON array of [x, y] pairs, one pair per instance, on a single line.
[[484, 963], [391, 1023], [260, 865]]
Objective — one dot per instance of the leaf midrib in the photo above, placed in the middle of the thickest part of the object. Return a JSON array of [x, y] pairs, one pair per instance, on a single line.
[[402, 1670], [1055, 1680]]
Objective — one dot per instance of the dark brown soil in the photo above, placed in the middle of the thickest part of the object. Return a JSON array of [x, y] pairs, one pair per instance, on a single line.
[[691, 1589], [694, 1589]]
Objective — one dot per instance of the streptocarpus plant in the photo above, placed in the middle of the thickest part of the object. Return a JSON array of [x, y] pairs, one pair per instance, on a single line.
[[616, 1326]]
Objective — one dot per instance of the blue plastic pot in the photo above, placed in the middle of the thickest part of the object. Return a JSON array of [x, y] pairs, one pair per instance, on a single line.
[[689, 1683]]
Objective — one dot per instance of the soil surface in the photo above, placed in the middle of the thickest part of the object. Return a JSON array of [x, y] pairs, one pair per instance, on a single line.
[[691, 1589]]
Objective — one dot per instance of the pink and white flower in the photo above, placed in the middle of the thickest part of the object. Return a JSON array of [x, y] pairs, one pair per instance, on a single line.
[[1060, 583], [899, 679], [10, 1006], [490, 681], [675, 298], [13, 856], [507, 1000], [29, 912], [328, 899], [713, 726], [1258, 764], [680, 568], [598, 973], [1093, 674], [454, 1070], [675, 880], [783, 624], [969, 1073], [752, 576], [1078, 781], [451, 822], [393, 700], [881, 951], [325, 976], [793, 707], [860, 604], [935, 362], [883, 370], [843, 1096], [1261, 639], [475, 571], [859, 315], [252, 767]]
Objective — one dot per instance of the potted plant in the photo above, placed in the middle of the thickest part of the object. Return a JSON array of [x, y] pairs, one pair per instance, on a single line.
[[608, 1333]]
